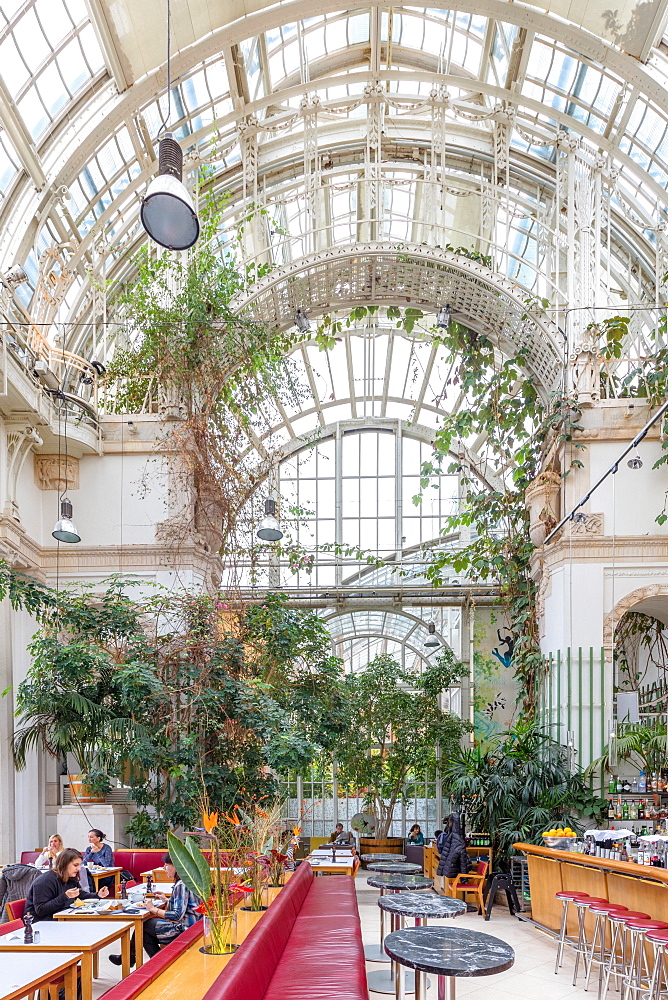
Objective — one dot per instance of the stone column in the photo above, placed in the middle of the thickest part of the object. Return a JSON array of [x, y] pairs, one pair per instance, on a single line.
[[7, 808]]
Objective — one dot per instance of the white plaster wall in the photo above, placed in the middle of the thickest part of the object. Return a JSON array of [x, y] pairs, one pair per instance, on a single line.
[[119, 501], [29, 784]]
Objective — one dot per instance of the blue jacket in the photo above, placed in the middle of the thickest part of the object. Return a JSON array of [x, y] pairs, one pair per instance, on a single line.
[[104, 857]]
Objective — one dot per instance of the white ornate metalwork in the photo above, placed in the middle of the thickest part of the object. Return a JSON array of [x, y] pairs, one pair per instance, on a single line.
[[411, 274]]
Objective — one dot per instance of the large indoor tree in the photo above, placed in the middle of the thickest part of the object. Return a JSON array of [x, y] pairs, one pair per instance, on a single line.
[[394, 726], [172, 691]]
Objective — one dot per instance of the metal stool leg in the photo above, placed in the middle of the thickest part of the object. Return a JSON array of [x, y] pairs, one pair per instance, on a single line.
[[562, 936], [580, 947]]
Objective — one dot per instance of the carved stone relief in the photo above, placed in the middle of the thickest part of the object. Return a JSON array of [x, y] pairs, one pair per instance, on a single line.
[[53, 472], [587, 524]]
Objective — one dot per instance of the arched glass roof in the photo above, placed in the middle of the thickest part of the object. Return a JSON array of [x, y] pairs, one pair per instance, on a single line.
[[358, 636], [437, 125]]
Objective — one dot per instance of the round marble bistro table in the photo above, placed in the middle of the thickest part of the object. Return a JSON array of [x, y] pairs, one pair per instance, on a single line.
[[400, 866], [420, 906], [449, 953], [383, 857], [395, 884]]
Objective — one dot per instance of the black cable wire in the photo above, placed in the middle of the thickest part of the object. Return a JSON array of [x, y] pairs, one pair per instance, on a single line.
[[165, 121]]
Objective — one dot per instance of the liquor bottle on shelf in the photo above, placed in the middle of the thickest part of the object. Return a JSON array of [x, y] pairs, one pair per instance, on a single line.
[[612, 785], [648, 782], [625, 810], [611, 810], [642, 784], [634, 786], [619, 786], [618, 810], [626, 786]]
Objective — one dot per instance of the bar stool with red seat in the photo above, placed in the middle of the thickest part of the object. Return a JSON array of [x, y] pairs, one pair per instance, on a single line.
[[659, 939], [636, 982], [566, 897], [616, 965], [582, 946], [601, 913]]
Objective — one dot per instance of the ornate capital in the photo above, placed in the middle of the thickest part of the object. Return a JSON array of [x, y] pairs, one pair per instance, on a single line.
[[53, 472]]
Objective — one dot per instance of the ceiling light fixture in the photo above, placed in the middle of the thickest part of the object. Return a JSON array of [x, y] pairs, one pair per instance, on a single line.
[[270, 529], [302, 322], [167, 211], [432, 641], [444, 318], [635, 462], [14, 277], [65, 529]]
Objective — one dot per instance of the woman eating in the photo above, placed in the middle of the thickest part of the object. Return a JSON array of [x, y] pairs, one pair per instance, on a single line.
[[97, 852], [169, 918], [58, 888], [50, 852]]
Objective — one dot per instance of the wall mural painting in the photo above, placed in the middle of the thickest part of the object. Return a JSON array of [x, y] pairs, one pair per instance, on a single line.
[[496, 689]]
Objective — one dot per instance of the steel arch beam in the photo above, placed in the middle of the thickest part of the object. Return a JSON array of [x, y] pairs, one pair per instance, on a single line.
[[404, 274]]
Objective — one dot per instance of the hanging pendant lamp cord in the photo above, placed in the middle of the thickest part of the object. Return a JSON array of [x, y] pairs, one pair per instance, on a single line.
[[166, 120]]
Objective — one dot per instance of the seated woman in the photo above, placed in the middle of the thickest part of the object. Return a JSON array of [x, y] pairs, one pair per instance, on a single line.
[[169, 918], [56, 889], [98, 853], [50, 852], [415, 834]]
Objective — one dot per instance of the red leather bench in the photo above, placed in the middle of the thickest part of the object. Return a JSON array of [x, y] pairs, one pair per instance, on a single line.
[[139, 861], [308, 944], [141, 978]]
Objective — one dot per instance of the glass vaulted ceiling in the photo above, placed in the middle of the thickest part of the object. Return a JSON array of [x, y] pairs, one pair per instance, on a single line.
[[406, 98]]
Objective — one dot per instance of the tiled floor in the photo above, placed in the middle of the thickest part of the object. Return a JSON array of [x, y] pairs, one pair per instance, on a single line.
[[531, 977]]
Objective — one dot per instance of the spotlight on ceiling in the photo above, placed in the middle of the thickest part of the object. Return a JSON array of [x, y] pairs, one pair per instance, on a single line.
[[444, 318], [635, 462], [302, 322], [65, 529], [14, 277], [431, 641], [167, 211], [269, 530]]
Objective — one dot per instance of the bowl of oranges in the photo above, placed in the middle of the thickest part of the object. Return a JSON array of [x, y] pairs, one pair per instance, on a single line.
[[561, 839]]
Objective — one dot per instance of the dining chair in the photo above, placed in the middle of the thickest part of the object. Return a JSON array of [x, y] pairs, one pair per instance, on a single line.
[[472, 883], [15, 909]]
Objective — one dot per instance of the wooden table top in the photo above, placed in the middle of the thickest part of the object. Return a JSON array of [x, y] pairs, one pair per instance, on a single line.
[[71, 914], [21, 974], [190, 976], [58, 935], [647, 872]]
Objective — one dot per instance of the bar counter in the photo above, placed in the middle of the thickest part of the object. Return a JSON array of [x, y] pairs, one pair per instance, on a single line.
[[638, 887]]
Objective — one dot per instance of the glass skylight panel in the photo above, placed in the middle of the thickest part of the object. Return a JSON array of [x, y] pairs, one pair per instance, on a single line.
[[9, 163], [649, 148], [48, 53]]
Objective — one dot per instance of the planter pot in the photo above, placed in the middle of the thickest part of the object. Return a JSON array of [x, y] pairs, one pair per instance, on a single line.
[[219, 934], [272, 892], [377, 845], [246, 921], [80, 792]]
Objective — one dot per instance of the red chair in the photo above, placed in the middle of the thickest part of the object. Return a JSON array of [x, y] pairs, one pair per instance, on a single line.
[[471, 884], [16, 909]]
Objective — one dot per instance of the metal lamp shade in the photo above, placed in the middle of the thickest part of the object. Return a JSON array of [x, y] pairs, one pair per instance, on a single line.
[[168, 214], [269, 530], [65, 529]]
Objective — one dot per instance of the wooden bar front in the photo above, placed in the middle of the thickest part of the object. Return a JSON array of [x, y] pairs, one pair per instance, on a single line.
[[639, 887]]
